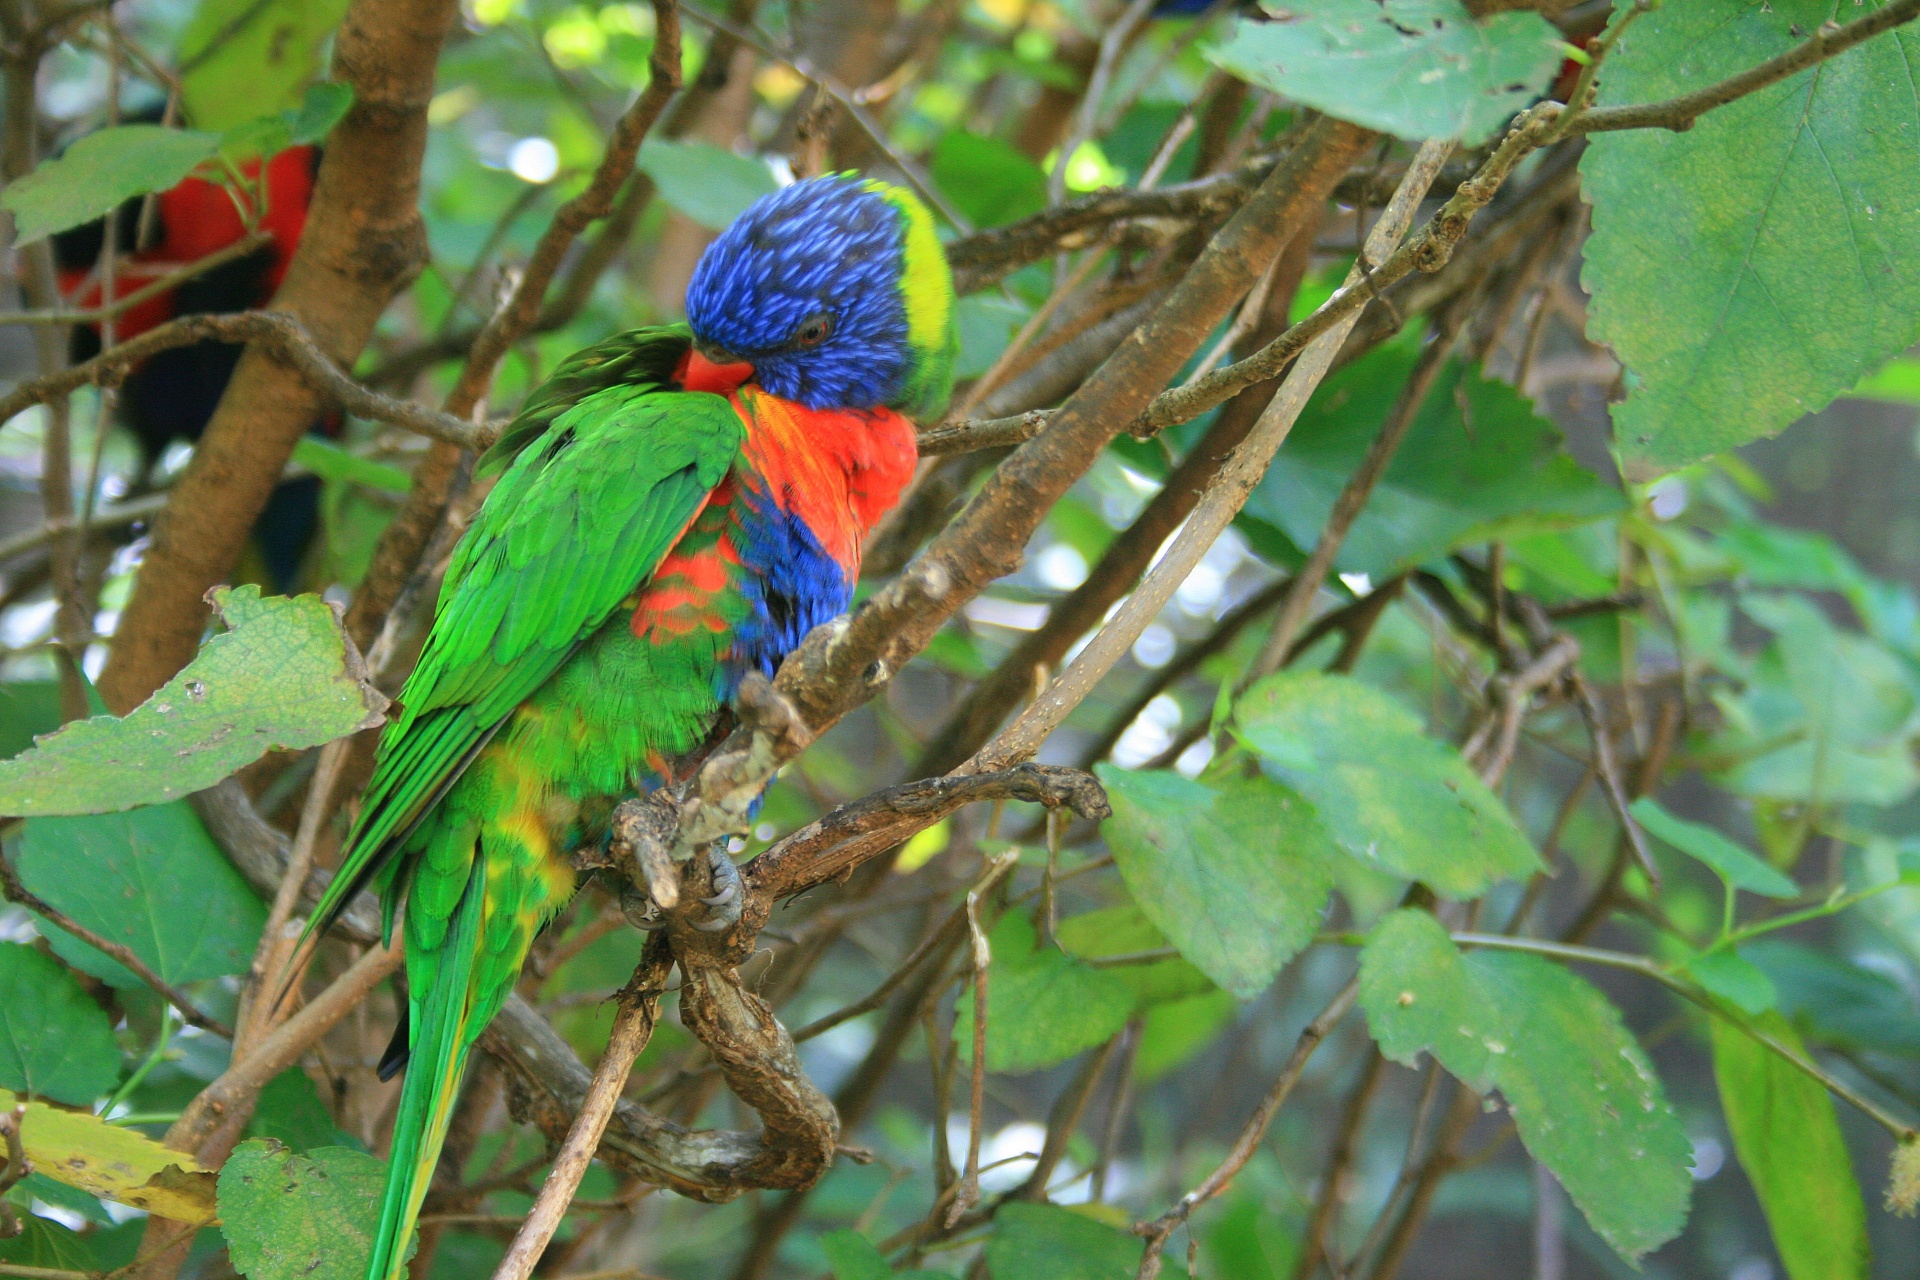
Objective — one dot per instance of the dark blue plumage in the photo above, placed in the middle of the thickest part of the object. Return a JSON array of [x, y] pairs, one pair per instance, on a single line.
[[824, 253]]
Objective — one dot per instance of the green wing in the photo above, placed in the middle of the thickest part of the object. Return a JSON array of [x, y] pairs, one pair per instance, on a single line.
[[587, 508]]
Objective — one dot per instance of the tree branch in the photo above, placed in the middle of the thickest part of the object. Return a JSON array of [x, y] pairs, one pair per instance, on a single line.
[[1678, 114]]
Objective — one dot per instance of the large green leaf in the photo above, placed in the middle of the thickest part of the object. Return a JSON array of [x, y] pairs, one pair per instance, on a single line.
[[1580, 1088], [989, 180], [280, 679], [241, 59], [292, 1217], [709, 184], [1391, 796], [99, 171], [1788, 1140], [55, 1042], [1234, 872], [1478, 462], [1415, 68], [1757, 265], [1046, 1242], [151, 879], [1043, 1006]]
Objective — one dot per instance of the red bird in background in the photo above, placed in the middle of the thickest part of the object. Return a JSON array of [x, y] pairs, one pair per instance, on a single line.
[[171, 395]]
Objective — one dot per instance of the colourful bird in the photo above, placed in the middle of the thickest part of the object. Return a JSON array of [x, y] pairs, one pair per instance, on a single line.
[[676, 507]]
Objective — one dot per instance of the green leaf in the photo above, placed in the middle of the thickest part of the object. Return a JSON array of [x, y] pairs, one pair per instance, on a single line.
[[1826, 716], [1477, 463], [292, 1217], [1584, 1096], [854, 1257], [125, 876], [241, 59], [1735, 979], [52, 1245], [281, 679], [1043, 1006], [1234, 873], [709, 184], [290, 1112], [1392, 797], [1046, 1242], [330, 462], [1416, 69], [1753, 267], [985, 324], [55, 1042], [61, 1196], [122, 1165], [987, 179], [99, 171], [1838, 1003], [28, 708], [1788, 1140], [1173, 1031], [1125, 930], [1419, 997], [1726, 859], [323, 106]]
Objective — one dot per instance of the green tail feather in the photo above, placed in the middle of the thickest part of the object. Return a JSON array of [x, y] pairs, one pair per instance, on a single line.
[[439, 1057]]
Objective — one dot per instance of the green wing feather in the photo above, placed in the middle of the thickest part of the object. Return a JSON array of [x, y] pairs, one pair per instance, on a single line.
[[598, 484]]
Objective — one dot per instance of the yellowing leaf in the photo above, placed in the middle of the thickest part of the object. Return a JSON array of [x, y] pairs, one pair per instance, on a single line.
[[115, 1164]]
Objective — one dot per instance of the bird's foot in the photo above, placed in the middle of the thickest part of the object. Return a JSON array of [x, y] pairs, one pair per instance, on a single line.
[[728, 900]]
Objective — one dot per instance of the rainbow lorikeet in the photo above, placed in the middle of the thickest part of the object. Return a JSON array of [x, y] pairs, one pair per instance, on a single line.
[[676, 507]]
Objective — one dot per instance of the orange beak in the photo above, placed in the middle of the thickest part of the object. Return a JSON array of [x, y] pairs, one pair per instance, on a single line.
[[697, 373]]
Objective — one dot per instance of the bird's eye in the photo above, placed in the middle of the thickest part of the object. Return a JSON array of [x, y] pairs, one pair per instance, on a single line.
[[815, 331]]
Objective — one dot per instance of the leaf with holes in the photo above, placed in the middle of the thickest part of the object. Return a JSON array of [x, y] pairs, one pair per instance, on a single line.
[[1584, 1096], [280, 678], [1234, 872], [122, 1165], [293, 1217], [1413, 68], [1755, 266], [1391, 796]]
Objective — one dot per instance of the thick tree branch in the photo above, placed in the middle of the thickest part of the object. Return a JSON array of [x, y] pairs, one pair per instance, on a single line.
[[398, 552], [363, 242]]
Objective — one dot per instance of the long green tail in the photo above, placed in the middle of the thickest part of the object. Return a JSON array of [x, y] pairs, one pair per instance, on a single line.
[[440, 1043]]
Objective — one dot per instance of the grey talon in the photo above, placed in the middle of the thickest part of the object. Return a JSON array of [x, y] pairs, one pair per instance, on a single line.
[[723, 897], [714, 926]]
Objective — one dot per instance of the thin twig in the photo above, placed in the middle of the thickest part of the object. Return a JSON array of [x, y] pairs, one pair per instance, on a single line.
[[1678, 114], [632, 1029], [1244, 1146], [1215, 511], [154, 288]]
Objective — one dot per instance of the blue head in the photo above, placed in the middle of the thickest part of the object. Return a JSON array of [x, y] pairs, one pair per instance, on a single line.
[[837, 293]]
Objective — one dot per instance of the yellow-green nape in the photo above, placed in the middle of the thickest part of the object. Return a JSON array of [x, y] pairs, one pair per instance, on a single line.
[[926, 291]]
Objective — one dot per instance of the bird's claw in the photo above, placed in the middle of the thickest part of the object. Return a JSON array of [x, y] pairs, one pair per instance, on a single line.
[[725, 904]]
